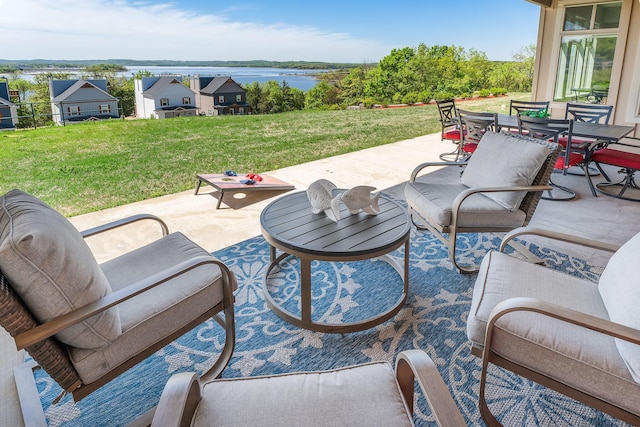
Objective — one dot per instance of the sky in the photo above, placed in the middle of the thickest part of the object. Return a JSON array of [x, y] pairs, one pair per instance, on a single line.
[[355, 31]]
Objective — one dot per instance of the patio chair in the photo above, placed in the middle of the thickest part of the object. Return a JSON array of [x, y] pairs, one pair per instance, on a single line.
[[474, 125], [450, 127], [363, 395], [499, 190], [566, 333], [552, 129], [623, 155], [85, 323], [588, 113], [525, 108]]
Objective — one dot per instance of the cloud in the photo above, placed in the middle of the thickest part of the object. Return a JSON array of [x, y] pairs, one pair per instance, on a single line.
[[106, 29]]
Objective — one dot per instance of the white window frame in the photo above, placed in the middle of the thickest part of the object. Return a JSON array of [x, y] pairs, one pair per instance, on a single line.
[[220, 99], [105, 108], [186, 100], [239, 98], [73, 110], [164, 102]]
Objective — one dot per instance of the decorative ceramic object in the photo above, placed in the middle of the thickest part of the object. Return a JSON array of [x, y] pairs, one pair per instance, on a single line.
[[356, 199], [320, 194]]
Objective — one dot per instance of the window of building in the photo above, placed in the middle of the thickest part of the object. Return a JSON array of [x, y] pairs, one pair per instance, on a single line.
[[587, 47], [232, 111], [164, 102], [186, 100], [73, 110], [220, 99], [238, 98], [105, 108], [240, 110]]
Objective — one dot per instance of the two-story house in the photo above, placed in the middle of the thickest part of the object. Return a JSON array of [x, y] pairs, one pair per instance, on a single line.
[[79, 100], [8, 110], [219, 95], [164, 97]]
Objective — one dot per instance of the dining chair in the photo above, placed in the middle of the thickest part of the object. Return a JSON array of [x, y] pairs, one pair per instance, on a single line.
[[86, 323], [474, 125], [588, 113], [520, 108], [450, 127], [624, 155], [551, 130]]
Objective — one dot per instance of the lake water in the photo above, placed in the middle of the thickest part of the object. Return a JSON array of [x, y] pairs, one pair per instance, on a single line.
[[300, 79]]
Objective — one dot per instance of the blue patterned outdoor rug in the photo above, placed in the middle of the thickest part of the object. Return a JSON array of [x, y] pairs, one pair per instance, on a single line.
[[433, 319]]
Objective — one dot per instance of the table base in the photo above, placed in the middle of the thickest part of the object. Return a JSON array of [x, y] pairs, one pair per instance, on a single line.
[[305, 319]]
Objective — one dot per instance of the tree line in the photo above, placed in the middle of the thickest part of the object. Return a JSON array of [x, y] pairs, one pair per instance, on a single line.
[[405, 76]]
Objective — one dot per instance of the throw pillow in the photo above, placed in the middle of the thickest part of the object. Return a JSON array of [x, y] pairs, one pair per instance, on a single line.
[[506, 160], [52, 269]]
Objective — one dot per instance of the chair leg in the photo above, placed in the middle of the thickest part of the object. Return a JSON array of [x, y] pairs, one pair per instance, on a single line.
[[628, 182], [566, 195], [32, 412]]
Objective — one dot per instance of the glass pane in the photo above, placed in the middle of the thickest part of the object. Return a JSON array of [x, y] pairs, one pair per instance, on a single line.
[[584, 68], [577, 18], [607, 15]]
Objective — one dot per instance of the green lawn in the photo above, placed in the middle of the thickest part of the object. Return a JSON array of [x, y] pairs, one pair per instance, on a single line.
[[91, 166]]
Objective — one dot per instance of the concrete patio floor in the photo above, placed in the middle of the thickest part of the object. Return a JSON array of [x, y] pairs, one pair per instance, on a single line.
[[387, 168]]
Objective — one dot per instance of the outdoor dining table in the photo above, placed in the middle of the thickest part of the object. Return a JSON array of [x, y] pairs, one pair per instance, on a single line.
[[598, 131]]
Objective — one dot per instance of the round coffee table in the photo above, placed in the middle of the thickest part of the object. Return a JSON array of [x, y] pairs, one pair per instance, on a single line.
[[289, 226]]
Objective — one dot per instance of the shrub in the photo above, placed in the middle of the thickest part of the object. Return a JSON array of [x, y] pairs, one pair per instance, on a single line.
[[410, 98], [498, 91], [483, 93], [442, 95]]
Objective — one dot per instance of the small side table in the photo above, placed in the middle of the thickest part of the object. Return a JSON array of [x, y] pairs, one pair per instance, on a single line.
[[288, 225]]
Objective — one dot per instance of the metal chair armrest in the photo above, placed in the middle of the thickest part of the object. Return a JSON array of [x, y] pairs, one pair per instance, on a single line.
[[125, 221], [564, 314], [178, 402], [414, 365], [52, 327], [421, 166], [568, 238]]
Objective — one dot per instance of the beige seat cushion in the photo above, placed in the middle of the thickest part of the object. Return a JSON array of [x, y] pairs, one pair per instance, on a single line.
[[505, 160], [52, 269], [364, 395], [576, 356], [621, 296], [434, 201], [157, 313]]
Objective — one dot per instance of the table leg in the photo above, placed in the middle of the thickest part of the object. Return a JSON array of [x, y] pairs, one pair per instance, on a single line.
[[305, 290], [272, 253], [220, 199], [198, 186]]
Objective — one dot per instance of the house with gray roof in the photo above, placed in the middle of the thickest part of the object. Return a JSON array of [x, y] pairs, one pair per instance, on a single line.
[[74, 101], [8, 110], [219, 95], [164, 97]]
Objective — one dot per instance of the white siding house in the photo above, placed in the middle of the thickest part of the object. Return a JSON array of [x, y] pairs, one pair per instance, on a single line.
[[8, 110], [163, 97], [79, 100]]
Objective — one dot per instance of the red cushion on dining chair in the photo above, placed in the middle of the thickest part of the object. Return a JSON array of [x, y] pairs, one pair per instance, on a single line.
[[469, 147], [453, 134], [574, 159], [623, 159]]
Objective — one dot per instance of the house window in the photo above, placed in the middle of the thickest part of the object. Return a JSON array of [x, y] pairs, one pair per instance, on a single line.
[[73, 110], [221, 99], [186, 100], [164, 102], [238, 98], [232, 111], [105, 108], [241, 110], [588, 43]]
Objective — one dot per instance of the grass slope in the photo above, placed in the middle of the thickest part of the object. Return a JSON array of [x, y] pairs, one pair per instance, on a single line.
[[92, 166]]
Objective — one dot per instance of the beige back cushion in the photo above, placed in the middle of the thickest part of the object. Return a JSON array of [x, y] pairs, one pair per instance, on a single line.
[[620, 292], [52, 269], [505, 160]]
